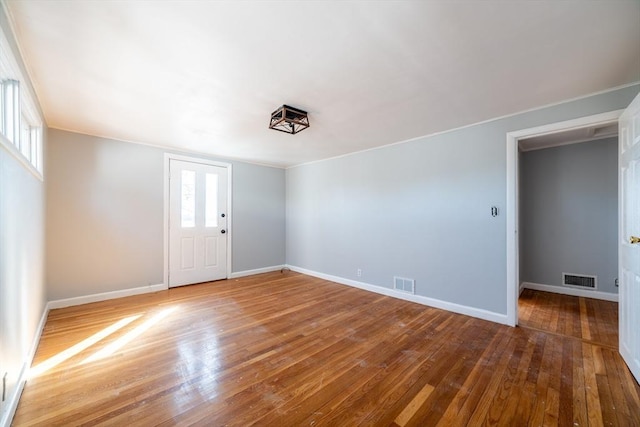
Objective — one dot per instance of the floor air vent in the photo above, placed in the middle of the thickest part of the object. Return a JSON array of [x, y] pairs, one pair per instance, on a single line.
[[579, 280], [404, 285]]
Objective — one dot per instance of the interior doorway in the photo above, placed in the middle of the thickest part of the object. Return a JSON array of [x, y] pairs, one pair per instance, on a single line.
[[546, 134], [568, 204]]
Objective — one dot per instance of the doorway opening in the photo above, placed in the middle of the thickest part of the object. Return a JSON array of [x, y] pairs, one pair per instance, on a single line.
[[548, 134]]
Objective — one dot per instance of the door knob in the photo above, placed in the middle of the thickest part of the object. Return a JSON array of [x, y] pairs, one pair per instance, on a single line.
[[634, 239], [223, 231]]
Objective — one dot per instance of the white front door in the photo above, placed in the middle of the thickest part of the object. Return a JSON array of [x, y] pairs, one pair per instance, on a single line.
[[629, 252], [198, 220]]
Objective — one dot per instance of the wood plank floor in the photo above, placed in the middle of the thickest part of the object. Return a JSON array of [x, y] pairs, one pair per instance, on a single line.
[[592, 320], [291, 350]]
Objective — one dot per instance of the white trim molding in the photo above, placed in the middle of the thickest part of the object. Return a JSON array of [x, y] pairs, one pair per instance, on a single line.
[[585, 293], [512, 138], [14, 399], [68, 302], [244, 273], [431, 302]]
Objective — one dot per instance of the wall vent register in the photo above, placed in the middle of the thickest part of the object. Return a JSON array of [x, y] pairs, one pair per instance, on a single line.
[[404, 285], [579, 280]]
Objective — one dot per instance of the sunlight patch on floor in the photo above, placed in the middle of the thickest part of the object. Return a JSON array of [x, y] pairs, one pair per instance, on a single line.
[[81, 346], [128, 337]]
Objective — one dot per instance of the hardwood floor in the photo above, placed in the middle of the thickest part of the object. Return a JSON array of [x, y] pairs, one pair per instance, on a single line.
[[292, 350], [591, 320]]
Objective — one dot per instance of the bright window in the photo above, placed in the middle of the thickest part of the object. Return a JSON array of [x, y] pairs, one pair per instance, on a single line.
[[20, 122]]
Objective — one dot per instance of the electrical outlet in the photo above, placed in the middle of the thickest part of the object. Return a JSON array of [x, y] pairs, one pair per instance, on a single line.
[[359, 272], [616, 282]]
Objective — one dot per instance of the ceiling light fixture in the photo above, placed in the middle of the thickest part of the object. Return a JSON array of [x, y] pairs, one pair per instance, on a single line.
[[288, 119]]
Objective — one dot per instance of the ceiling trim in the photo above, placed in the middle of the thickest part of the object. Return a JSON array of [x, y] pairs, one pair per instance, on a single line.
[[174, 150], [601, 92]]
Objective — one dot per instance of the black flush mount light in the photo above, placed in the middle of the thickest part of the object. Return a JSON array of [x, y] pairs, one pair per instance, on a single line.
[[288, 119]]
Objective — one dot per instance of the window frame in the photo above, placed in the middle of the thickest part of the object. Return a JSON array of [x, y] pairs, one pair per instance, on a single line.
[[29, 123]]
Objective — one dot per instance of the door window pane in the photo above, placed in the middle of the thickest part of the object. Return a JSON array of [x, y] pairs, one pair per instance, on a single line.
[[211, 203], [188, 200]]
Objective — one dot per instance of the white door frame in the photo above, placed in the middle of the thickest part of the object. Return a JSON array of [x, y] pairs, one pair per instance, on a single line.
[[513, 269], [167, 158]]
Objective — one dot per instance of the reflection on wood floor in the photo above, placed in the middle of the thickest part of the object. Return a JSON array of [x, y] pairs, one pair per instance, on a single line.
[[289, 350]]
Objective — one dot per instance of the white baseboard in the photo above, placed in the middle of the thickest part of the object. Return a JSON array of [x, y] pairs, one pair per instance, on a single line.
[[14, 398], [585, 293], [256, 271], [36, 338], [431, 302], [68, 302], [12, 402]]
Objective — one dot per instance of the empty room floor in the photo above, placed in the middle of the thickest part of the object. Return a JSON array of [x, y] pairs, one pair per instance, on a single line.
[[285, 349]]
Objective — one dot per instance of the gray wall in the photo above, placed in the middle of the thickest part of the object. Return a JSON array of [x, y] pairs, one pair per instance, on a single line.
[[569, 213], [21, 264], [105, 215], [258, 217], [22, 294], [420, 209]]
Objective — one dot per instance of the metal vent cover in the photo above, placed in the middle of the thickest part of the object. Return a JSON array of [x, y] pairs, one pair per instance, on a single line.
[[580, 280], [405, 285]]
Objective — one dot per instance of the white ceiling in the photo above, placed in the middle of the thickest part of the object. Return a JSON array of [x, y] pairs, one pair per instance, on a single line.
[[205, 76]]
